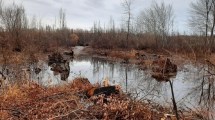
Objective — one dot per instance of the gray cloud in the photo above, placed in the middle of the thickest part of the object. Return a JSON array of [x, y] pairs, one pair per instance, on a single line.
[[95, 3], [40, 2], [82, 13]]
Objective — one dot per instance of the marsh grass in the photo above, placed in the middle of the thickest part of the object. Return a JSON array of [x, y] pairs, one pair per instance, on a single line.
[[29, 100]]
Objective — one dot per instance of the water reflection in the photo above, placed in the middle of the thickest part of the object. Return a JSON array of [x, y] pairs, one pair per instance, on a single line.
[[193, 85], [206, 89], [140, 83]]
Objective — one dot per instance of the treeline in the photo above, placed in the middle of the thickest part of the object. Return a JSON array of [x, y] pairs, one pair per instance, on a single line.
[[18, 33], [151, 29]]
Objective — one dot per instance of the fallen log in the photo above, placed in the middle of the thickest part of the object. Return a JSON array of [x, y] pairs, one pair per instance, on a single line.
[[107, 91]]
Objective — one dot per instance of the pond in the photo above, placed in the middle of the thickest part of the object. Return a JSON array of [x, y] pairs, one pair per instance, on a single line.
[[140, 85]]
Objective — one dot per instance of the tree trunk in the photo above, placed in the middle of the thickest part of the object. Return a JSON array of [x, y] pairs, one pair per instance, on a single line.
[[173, 101]]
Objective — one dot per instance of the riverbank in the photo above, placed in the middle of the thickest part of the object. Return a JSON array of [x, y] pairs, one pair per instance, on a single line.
[[121, 55], [28, 100], [132, 54]]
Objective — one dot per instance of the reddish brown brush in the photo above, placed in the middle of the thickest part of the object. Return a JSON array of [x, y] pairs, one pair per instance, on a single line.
[[81, 84], [32, 101]]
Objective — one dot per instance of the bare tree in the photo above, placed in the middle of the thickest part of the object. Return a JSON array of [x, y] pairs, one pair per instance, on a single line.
[[157, 20], [1, 5], [202, 18], [127, 9], [33, 23], [1, 10], [62, 18], [64, 35], [112, 28], [14, 21]]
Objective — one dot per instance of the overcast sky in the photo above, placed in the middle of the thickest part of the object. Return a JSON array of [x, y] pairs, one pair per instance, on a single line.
[[83, 13]]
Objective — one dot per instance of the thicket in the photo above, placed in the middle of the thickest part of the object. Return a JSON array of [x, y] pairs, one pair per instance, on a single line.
[[151, 29]]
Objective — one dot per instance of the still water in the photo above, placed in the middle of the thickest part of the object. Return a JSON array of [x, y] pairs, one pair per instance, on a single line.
[[188, 84], [140, 83]]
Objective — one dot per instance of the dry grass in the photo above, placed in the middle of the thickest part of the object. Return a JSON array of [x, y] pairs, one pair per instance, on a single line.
[[212, 58], [123, 108], [32, 101], [20, 57], [123, 54]]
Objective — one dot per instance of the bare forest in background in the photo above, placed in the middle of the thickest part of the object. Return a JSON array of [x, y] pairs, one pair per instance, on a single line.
[[152, 29], [27, 40]]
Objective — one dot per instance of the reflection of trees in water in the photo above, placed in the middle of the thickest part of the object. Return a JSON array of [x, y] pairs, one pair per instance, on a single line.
[[114, 71], [153, 88], [203, 92], [22, 72], [15, 72], [207, 90], [63, 69], [140, 84], [146, 87], [41, 74], [98, 65]]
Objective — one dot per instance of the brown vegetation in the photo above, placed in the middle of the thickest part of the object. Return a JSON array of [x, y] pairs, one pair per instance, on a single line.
[[22, 43], [163, 69], [32, 101], [27, 39]]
